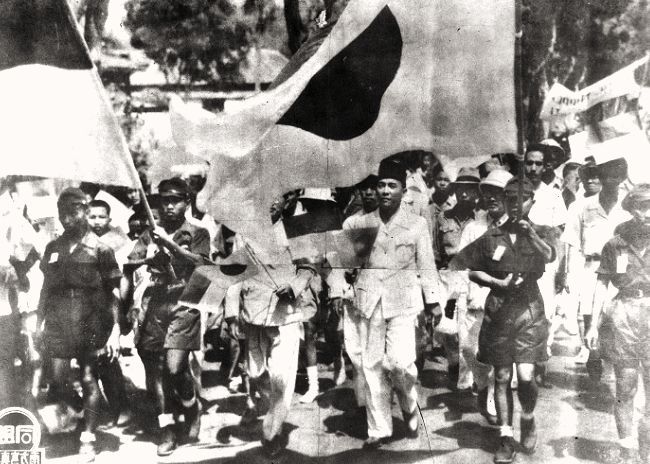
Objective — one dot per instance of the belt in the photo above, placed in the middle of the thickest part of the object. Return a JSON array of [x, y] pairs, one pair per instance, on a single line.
[[591, 258], [71, 292]]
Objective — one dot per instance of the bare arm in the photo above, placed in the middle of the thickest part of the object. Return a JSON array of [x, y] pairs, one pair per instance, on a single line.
[[600, 296], [546, 250], [484, 279]]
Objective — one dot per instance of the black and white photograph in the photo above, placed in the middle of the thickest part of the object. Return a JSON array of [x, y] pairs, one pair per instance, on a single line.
[[324, 231]]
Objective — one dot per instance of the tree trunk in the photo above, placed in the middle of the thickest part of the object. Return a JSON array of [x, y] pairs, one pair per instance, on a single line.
[[94, 22], [295, 28]]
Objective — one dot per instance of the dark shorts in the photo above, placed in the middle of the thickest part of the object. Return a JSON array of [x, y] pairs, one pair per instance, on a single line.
[[184, 331], [74, 331], [516, 333], [625, 332]]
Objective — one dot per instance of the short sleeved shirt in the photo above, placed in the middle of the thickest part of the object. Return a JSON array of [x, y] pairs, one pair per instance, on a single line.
[[78, 286], [495, 253], [548, 208], [197, 240], [626, 268], [91, 265], [514, 328], [589, 226]]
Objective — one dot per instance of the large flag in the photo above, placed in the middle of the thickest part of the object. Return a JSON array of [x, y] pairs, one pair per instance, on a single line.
[[391, 76], [55, 117], [208, 284]]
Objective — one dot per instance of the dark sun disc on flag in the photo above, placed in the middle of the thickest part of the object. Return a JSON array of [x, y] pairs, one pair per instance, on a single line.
[[342, 100], [233, 269]]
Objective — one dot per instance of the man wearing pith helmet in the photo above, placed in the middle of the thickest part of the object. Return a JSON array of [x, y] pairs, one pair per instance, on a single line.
[[398, 280], [509, 260]]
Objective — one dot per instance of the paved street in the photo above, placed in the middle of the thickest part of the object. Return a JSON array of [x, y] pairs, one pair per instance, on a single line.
[[574, 422]]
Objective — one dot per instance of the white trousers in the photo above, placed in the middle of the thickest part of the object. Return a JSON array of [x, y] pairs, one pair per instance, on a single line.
[[272, 354], [353, 347], [387, 361], [471, 370]]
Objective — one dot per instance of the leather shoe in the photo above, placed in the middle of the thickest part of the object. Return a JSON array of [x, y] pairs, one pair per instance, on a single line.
[[411, 422], [374, 443], [193, 421], [528, 435], [167, 443], [249, 417], [273, 447], [506, 452]]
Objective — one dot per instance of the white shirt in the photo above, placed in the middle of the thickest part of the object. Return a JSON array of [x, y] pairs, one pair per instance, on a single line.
[[548, 208], [589, 227]]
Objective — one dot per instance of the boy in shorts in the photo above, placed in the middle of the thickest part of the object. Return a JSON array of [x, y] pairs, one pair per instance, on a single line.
[[623, 326], [509, 259], [79, 306]]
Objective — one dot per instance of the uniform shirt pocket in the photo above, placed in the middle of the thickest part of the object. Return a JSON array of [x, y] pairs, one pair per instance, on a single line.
[[404, 254]]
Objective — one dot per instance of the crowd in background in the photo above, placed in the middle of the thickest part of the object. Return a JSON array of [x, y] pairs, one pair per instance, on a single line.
[[437, 279]]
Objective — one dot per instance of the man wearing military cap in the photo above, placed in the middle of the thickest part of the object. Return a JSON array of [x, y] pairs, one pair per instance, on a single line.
[[185, 247], [622, 326], [591, 223], [389, 291], [509, 260], [79, 307]]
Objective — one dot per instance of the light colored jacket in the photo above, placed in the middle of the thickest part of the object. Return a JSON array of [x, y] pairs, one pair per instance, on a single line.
[[260, 305], [401, 270]]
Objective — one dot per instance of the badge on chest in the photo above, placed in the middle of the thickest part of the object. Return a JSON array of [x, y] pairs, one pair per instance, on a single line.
[[498, 253], [622, 261], [54, 257]]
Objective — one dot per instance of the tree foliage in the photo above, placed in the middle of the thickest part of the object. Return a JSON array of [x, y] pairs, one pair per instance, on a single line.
[[198, 40]]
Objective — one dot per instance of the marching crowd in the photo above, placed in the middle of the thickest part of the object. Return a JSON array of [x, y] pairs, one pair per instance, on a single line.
[[486, 267]]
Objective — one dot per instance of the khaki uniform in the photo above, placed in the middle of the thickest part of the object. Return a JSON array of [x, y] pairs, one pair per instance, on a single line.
[[625, 323], [184, 326]]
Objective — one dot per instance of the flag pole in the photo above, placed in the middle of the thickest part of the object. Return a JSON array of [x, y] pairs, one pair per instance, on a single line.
[[519, 109], [644, 78], [259, 262], [135, 178]]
